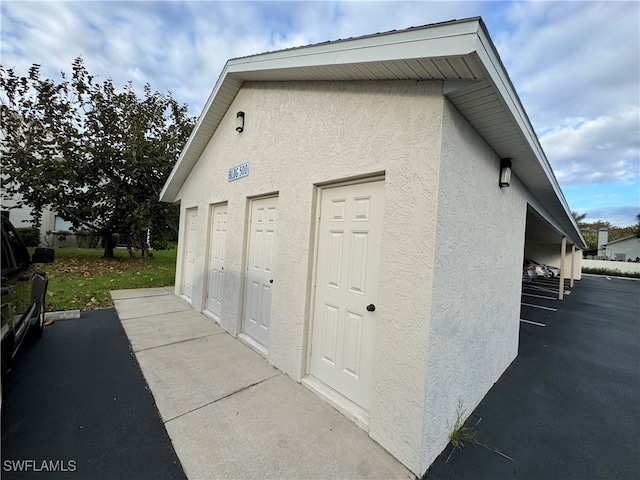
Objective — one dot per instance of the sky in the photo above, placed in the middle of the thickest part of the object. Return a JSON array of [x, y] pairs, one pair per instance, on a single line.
[[574, 64]]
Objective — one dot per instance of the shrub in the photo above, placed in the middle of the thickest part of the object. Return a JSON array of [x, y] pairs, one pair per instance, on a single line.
[[30, 235], [159, 244], [87, 238], [62, 237], [609, 272]]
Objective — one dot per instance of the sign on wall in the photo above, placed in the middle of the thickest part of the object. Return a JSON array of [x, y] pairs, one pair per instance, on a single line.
[[238, 172]]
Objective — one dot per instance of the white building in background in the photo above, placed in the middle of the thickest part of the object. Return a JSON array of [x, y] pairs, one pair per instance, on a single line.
[[624, 249], [22, 217], [341, 214]]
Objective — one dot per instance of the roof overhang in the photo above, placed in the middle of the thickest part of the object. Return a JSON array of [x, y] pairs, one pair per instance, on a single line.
[[460, 53]]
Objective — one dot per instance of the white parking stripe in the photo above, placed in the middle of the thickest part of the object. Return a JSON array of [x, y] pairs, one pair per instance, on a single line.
[[538, 306], [539, 296], [533, 323], [543, 289]]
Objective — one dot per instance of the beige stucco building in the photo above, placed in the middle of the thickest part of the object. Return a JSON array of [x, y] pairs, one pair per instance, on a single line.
[[341, 214]]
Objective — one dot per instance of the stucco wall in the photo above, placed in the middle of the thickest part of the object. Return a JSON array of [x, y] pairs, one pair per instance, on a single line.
[[299, 135], [624, 267], [629, 248], [477, 280]]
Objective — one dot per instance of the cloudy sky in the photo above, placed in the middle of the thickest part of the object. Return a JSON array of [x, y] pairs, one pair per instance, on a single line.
[[574, 64]]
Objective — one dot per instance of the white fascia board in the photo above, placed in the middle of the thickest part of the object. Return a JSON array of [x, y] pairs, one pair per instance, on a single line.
[[496, 74], [451, 39], [188, 157], [410, 50]]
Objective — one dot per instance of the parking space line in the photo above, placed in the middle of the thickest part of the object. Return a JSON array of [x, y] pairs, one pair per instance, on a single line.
[[533, 323], [539, 296], [538, 306], [543, 289]]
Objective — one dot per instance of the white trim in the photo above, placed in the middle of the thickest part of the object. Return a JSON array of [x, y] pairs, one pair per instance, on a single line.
[[353, 412], [211, 316], [253, 344]]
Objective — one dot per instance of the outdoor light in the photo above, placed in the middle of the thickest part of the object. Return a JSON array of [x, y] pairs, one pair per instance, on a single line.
[[505, 172], [240, 122]]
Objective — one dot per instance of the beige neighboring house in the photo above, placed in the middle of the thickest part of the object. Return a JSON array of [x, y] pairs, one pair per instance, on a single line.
[[21, 217], [624, 249], [342, 215]]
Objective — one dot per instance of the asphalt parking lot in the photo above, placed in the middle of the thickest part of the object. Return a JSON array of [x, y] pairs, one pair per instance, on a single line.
[[77, 406], [540, 301], [568, 407]]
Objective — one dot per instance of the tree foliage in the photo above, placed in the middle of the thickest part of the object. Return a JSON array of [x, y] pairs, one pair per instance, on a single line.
[[96, 155]]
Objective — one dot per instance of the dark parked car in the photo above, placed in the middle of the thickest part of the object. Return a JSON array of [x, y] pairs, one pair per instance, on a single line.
[[24, 290]]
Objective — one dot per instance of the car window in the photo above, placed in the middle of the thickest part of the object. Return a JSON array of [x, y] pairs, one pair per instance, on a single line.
[[20, 252]]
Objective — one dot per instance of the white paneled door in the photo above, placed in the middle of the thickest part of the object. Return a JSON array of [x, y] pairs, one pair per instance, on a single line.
[[344, 318], [190, 239], [260, 274], [215, 269]]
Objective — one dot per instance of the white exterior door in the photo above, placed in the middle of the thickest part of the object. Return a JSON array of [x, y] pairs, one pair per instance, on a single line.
[[344, 317], [215, 269], [190, 238], [262, 245]]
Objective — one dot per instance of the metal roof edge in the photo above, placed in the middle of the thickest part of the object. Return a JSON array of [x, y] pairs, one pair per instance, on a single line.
[[498, 75]]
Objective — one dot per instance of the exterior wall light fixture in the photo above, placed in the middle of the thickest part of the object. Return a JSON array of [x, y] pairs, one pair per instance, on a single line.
[[505, 172], [240, 122]]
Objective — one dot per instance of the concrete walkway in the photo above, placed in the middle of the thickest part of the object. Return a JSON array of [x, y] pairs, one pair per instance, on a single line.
[[229, 413]]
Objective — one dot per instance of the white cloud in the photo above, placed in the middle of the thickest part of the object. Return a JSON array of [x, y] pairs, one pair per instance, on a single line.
[[601, 150], [572, 59], [574, 64]]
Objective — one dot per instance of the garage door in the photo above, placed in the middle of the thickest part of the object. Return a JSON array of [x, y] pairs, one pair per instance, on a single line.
[[260, 274], [344, 319]]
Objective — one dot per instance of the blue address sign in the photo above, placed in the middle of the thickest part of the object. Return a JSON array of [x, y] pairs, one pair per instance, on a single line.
[[238, 172]]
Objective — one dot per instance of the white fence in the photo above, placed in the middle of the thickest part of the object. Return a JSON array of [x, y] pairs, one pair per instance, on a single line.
[[623, 267]]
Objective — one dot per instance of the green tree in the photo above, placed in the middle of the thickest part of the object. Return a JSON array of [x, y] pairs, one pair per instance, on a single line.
[[96, 155]]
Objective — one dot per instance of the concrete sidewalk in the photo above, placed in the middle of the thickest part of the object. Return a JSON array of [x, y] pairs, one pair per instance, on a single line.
[[228, 412]]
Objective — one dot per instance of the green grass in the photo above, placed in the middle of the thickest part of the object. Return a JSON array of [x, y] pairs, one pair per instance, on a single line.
[[461, 435], [80, 279]]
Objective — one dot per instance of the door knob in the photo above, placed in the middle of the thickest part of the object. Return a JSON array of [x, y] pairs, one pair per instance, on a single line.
[[371, 307]]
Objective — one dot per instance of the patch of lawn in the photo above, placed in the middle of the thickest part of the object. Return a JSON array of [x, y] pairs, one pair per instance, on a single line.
[[80, 279]]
